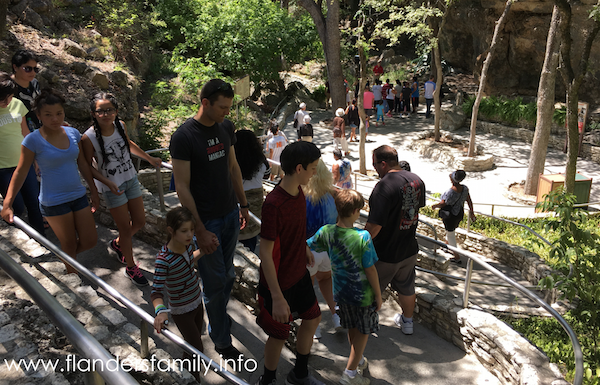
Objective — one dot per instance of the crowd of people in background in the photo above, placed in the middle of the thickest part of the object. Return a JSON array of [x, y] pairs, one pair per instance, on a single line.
[[218, 174]]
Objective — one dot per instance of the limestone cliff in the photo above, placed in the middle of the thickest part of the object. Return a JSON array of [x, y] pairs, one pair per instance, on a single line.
[[516, 68]]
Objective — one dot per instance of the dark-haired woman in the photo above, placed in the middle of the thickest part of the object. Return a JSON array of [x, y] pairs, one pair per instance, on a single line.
[[107, 143], [254, 166], [24, 64], [452, 207], [63, 200]]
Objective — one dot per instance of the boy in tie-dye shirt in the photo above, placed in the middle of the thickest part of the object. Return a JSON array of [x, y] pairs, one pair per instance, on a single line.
[[355, 281]]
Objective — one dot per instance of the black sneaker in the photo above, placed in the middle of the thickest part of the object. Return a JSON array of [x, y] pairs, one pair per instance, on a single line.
[[260, 382], [136, 276], [117, 249], [229, 353], [308, 380]]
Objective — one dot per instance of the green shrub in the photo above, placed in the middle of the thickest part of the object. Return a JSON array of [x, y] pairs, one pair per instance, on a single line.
[[511, 111], [319, 94]]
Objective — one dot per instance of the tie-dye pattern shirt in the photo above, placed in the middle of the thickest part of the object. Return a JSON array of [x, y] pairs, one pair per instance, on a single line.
[[351, 251]]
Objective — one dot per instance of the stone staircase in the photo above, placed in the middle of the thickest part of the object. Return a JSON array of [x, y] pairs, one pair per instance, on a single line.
[[27, 333]]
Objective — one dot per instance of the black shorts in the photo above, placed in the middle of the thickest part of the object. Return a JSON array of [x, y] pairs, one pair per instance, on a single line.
[[301, 299]]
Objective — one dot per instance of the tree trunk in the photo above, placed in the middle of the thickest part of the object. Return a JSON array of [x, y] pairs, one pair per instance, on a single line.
[[329, 33], [572, 82], [439, 80], [3, 12], [284, 4], [361, 110], [545, 108], [486, 65]]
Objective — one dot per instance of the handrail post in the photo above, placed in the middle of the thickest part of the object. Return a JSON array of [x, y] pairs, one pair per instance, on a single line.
[[159, 189], [144, 350], [467, 283]]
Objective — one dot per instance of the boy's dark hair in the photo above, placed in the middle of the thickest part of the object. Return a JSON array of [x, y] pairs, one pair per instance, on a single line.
[[404, 165], [297, 153], [22, 56], [387, 154], [214, 88], [177, 217], [47, 97], [274, 128], [8, 86], [346, 201]]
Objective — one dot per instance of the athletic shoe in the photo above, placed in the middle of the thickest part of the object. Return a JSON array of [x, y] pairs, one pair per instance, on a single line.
[[308, 380], [361, 368], [336, 322], [260, 382], [135, 274], [317, 333], [117, 249], [356, 380], [406, 327], [229, 353]]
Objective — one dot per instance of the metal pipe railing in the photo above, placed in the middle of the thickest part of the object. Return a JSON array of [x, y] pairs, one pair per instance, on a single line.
[[85, 343], [125, 302], [474, 257]]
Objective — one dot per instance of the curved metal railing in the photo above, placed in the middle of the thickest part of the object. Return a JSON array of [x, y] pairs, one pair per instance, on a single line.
[[85, 343], [474, 257], [145, 317]]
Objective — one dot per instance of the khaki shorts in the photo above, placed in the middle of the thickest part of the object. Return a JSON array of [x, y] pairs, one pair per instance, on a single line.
[[276, 169], [400, 275]]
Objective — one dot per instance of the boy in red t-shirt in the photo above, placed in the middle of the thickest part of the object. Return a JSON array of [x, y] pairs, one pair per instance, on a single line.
[[285, 288]]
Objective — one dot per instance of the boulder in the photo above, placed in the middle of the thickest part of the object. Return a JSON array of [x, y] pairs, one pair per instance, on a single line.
[[95, 53], [50, 75], [32, 18], [78, 109], [40, 6], [79, 68], [451, 119], [100, 79], [271, 99], [293, 87], [72, 48], [119, 78]]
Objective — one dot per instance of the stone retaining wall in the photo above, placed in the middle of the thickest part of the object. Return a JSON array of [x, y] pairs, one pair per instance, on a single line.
[[557, 142], [531, 266], [147, 178]]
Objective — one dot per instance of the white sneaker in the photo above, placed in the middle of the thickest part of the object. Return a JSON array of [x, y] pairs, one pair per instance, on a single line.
[[317, 333], [361, 368], [406, 327], [357, 380], [336, 322]]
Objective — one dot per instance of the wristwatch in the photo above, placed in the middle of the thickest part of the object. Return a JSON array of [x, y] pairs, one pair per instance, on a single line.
[[246, 206]]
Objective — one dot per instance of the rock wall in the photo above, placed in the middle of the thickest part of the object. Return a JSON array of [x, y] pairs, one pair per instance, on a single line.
[[516, 68]]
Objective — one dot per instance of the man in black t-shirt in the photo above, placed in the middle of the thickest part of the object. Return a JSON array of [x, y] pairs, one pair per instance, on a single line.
[[209, 183], [393, 218]]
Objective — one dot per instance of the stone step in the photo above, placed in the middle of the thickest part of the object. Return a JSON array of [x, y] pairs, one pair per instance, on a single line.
[[27, 333]]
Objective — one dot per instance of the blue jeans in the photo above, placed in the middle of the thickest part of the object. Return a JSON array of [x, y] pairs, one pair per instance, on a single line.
[[429, 103], [218, 274], [26, 197]]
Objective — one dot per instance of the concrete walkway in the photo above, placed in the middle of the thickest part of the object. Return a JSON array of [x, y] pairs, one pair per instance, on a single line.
[[487, 187]]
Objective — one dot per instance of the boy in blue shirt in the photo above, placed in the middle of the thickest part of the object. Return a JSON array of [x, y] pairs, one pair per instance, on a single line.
[[355, 281]]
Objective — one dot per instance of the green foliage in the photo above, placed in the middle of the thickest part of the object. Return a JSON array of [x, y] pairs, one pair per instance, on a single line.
[[511, 111], [560, 115], [550, 337], [319, 94], [246, 37]]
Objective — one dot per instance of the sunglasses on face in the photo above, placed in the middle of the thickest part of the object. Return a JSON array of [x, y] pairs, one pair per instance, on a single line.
[[108, 111], [29, 69]]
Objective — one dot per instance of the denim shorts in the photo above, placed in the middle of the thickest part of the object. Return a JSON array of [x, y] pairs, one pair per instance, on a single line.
[[131, 190], [65, 208]]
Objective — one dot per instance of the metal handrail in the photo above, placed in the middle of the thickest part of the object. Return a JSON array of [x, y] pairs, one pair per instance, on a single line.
[[127, 303], [85, 343], [477, 258]]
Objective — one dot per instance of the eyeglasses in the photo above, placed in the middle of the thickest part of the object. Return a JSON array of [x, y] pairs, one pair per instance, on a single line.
[[29, 69], [108, 111], [223, 87]]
